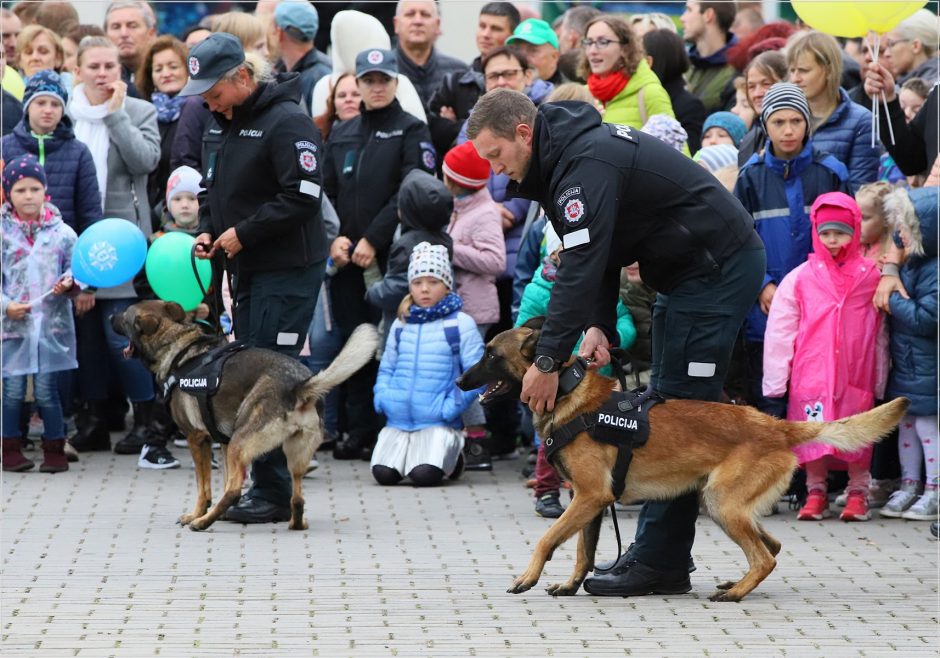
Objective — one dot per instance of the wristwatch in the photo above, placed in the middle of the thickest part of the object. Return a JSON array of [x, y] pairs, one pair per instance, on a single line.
[[547, 364]]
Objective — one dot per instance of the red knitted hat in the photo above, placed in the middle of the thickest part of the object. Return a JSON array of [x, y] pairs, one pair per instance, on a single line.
[[464, 166]]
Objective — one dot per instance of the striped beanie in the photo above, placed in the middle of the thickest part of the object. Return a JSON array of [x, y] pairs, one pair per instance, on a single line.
[[431, 260], [786, 96], [717, 156], [464, 166]]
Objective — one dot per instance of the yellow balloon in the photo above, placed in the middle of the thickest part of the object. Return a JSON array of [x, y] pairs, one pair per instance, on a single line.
[[884, 16], [840, 19]]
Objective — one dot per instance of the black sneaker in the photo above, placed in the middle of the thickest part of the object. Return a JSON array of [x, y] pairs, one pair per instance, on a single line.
[[548, 506], [156, 457], [477, 456]]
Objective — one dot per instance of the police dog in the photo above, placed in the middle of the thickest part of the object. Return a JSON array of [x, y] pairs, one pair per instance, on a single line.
[[740, 459], [265, 400]]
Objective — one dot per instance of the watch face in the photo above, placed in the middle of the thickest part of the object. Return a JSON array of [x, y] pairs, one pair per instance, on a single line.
[[545, 363]]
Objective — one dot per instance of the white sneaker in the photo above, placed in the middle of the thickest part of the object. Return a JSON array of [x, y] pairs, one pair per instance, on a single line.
[[180, 441], [900, 500], [926, 507]]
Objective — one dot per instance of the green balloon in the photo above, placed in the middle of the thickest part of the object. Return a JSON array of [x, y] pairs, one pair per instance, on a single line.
[[169, 269]]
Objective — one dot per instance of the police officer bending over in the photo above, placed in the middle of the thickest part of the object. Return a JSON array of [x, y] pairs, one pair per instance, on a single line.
[[616, 196], [262, 175]]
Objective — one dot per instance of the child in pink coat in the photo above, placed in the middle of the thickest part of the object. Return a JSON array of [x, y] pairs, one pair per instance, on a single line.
[[827, 345]]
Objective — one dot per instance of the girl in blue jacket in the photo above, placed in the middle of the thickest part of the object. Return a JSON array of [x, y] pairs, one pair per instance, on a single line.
[[429, 345]]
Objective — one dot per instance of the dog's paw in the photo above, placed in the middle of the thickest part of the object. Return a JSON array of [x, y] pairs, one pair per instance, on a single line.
[[727, 585], [519, 586], [563, 589], [198, 525], [723, 596], [186, 519], [298, 526]]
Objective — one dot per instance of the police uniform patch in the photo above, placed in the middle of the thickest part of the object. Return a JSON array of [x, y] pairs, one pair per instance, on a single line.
[[374, 57], [306, 155], [193, 66], [574, 211], [428, 155], [571, 206]]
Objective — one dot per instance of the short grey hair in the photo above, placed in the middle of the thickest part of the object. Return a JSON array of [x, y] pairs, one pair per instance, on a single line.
[[437, 6], [145, 11], [500, 111], [924, 26]]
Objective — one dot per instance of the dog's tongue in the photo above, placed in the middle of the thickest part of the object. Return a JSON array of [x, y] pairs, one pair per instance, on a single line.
[[129, 351]]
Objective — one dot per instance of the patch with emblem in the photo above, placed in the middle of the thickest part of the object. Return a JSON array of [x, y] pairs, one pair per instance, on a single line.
[[307, 160], [374, 57], [572, 206], [310, 146], [428, 155], [193, 66], [574, 211]]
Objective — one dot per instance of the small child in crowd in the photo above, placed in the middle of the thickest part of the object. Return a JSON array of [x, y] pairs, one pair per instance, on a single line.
[[876, 236], [430, 344], [913, 322], [723, 128], [666, 129], [181, 211], [721, 160], [826, 347], [776, 186], [38, 329]]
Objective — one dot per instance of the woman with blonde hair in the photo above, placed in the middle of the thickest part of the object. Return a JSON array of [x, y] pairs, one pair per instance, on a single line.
[[839, 126], [618, 75], [249, 29], [39, 49]]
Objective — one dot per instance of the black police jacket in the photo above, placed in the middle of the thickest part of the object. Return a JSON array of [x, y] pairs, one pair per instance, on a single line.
[[261, 171], [366, 160], [616, 196]]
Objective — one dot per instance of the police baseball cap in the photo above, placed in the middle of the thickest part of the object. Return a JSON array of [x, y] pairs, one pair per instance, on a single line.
[[534, 31], [374, 59], [302, 16], [209, 60]]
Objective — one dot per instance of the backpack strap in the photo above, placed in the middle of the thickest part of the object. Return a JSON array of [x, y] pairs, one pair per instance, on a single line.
[[451, 333]]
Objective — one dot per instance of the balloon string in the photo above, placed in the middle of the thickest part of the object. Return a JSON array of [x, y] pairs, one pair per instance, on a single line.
[[875, 108]]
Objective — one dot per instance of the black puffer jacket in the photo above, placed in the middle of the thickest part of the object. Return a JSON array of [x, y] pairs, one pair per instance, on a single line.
[[615, 196], [261, 171]]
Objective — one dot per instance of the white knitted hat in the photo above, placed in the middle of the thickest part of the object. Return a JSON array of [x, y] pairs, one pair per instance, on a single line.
[[431, 260]]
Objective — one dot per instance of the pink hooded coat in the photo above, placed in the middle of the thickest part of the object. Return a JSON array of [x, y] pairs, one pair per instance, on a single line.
[[476, 228], [825, 338]]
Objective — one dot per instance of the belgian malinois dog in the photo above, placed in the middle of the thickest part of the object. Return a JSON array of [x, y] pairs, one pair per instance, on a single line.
[[739, 458], [265, 400]]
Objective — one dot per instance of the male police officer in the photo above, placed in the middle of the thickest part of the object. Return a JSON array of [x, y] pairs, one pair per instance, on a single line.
[[262, 174], [617, 196]]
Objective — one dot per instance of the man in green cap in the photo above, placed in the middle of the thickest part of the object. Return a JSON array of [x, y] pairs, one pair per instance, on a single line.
[[537, 40]]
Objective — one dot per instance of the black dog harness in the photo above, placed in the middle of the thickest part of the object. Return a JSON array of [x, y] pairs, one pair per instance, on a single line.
[[622, 421], [200, 377]]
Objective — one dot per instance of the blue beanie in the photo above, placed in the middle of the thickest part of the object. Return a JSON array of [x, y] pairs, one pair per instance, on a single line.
[[730, 123], [45, 83], [24, 166]]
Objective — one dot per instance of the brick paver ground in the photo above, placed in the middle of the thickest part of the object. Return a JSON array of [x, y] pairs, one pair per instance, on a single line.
[[93, 565]]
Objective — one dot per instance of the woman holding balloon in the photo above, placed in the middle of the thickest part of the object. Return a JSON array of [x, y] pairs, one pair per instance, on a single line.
[[124, 141]]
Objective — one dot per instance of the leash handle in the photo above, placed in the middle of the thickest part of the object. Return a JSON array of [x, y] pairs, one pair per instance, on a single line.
[[217, 320]]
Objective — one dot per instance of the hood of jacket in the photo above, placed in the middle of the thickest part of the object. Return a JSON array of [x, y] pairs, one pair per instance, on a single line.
[[717, 58], [62, 133], [351, 32], [556, 126], [286, 88], [424, 202], [853, 249], [913, 214]]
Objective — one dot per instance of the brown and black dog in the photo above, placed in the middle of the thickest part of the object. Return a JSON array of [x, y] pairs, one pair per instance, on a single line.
[[740, 459]]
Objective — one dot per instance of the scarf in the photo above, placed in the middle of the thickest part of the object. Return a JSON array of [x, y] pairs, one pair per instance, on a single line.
[[91, 131], [447, 306], [168, 107], [605, 87]]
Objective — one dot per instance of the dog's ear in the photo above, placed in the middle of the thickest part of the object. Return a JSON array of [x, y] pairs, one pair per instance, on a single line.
[[535, 323], [174, 311], [146, 324], [529, 343]]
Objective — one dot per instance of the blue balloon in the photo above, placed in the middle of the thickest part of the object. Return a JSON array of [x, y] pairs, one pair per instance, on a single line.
[[109, 253]]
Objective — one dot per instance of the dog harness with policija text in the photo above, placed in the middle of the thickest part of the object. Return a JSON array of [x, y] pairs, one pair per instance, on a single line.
[[622, 421], [200, 377]]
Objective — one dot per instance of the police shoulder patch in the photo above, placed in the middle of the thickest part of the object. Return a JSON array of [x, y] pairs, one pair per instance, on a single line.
[[571, 206], [623, 132], [428, 155], [306, 155]]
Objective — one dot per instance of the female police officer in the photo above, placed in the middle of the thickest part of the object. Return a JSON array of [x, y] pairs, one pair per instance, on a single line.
[[262, 209], [617, 196]]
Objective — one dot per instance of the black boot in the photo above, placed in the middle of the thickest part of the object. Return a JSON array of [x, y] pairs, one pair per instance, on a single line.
[[349, 448], [140, 432], [91, 428]]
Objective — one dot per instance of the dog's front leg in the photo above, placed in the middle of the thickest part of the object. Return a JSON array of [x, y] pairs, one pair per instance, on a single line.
[[200, 447], [580, 512], [587, 547]]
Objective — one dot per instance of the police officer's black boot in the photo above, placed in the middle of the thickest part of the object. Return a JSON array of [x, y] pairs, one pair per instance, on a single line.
[[91, 428], [139, 434]]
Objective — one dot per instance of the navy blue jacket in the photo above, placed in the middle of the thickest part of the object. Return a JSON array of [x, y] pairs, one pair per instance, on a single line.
[[778, 194], [914, 321], [847, 136], [70, 170]]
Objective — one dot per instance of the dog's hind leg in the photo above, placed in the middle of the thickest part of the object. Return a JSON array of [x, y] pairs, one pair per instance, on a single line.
[[200, 447], [298, 449], [773, 544], [583, 509], [587, 547]]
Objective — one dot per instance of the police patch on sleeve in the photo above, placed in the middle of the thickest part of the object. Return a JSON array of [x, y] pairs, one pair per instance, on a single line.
[[306, 156], [572, 207], [428, 155]]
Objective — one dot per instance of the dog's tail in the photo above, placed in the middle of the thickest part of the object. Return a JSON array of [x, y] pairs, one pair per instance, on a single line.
[[357, 352], [855, 432]]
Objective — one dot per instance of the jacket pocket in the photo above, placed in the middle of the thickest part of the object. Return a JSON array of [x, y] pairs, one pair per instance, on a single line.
[[698, 342]]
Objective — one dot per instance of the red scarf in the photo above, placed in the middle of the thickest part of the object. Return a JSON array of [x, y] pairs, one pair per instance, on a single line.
[[605, 87]]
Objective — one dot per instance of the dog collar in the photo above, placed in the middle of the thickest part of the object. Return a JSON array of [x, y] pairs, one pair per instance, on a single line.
[[571, 376]]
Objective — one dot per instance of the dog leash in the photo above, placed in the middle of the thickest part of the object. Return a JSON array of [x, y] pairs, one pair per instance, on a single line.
[[213, 301]]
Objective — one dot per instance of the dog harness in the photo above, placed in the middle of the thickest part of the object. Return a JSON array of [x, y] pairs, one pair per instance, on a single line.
[[622, 421], [200, 377]]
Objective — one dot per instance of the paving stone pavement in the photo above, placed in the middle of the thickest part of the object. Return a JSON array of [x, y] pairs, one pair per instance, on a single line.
[[94, 565]]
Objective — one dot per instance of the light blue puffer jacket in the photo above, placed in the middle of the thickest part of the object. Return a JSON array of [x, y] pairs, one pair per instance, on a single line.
[[415, 388]]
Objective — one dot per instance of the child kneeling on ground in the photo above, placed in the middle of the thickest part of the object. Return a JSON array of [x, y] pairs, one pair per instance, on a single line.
[[429, 345]]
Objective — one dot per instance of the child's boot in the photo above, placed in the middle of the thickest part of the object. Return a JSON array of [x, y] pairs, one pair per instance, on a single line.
[[53, 457], [477, 454], [816, 507], [856, 506], [14, 460]]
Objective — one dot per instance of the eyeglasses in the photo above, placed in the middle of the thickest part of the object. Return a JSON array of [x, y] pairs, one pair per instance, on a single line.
[[600, 43], [509, 74], [891, 43]]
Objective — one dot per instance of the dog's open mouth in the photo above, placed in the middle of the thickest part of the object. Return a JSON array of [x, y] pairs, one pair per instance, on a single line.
[[129, 351], [494, 391]]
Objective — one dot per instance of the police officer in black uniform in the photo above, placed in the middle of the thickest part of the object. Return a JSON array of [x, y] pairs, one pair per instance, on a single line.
[[262, 210], [615, 196], [366, 160]]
